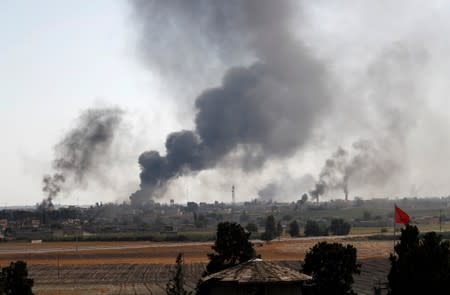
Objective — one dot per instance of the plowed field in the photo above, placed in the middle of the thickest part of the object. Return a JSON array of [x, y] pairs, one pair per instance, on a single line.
[[144, 268]]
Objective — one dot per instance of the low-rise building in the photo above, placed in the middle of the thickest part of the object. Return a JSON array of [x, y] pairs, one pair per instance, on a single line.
[[256, 277], [3, 224]]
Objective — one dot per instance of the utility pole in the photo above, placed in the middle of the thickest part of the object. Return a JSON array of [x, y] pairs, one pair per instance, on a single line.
[[76, 241], [232, 194], [59, 257]]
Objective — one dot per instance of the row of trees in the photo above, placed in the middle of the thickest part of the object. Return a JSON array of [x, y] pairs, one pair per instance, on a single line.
[[331, 265], [338, 226], [273, 229]]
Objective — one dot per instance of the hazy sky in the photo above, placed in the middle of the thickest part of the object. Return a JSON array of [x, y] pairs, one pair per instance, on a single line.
[[58, 58], [388, 65]]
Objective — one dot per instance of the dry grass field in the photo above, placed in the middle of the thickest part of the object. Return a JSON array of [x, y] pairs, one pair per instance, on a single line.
[[69, 253], [144, 267]]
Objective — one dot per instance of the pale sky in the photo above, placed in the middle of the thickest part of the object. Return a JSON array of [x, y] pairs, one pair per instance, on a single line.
[[58, 58], [61, 57]]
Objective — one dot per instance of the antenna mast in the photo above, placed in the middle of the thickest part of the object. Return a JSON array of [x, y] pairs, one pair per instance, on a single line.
[[232, 194]]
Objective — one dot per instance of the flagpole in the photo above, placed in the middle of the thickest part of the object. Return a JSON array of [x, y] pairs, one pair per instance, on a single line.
[[394, 228], [400, 217]]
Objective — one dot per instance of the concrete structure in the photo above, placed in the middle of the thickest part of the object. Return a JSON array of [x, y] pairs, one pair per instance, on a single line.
[[3, 224], [255, 277]]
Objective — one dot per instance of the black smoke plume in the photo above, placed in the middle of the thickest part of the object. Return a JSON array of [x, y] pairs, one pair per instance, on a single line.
[[52, 187], [266, 110], [365, 164], [78, 154], [392, 91], [332, 174]]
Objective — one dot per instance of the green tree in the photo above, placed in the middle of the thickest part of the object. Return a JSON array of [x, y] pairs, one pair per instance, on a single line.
[[332, 266], [279, 229], [294, 229], [244, 217], [231, 247], [339, 227], [420, 265], [14, 279], [176, 285], [270, 230], [367, 215], [286, 217], [252, 227], [313, 229], [200, 220]]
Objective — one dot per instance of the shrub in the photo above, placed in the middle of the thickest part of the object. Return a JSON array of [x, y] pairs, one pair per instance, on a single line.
[[294, 229], [252, 227], [332, 266], [175, 286], [231, 247], [313, 229], [14, 279], [270, 230], [339, 227], [420, 265]]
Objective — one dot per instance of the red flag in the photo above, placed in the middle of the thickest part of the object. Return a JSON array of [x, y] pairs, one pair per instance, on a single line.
[[401, 216]]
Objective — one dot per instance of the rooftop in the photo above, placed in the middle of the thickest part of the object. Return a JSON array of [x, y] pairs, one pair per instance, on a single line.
[[258, 271]]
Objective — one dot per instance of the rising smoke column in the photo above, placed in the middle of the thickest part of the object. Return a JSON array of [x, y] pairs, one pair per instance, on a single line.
[[51, 186], [83, 148], [365, 164], [269, 107], [332, 174], [391, 95]]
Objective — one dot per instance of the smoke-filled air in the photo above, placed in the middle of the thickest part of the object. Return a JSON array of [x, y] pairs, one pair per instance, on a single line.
[[82, 150], [272, 90], [275, 98], [269, 107]]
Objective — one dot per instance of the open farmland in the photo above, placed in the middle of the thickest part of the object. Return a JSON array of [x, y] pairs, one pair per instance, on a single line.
[[69, 253], [144, 267], [151, 278]]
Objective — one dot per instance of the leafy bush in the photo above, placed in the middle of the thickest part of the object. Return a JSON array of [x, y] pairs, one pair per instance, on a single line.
[[339, 227], [366, 215], [176, 285], [270, 230], [252, 227], [294, 229], [313, 229], [231, 247], [332, 266], [420, 265], [14, 279]]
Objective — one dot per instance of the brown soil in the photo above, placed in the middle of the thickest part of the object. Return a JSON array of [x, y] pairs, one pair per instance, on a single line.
[[165, 253]]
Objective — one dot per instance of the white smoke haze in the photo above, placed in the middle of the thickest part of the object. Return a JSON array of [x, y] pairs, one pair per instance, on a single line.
[[276, 80]]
